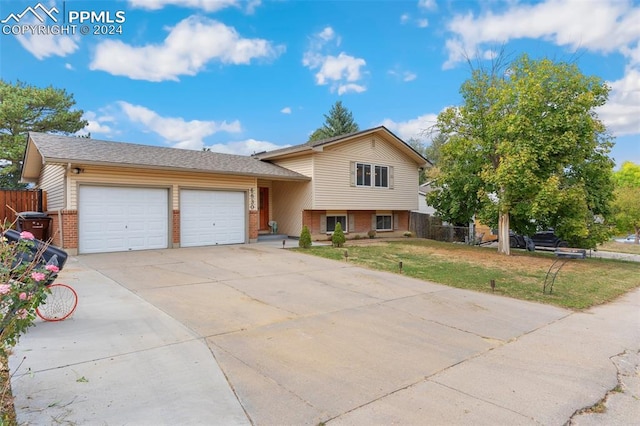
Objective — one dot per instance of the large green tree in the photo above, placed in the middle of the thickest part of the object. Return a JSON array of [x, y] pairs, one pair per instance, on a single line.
[[338, 122], [525, 151], [626, 206], [25, 108]]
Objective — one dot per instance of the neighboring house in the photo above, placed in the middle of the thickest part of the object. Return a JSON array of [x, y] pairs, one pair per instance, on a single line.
[[423, 207], [111, 196]]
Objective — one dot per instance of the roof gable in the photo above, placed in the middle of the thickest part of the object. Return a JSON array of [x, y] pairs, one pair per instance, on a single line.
[[312, 146], [68, 149]]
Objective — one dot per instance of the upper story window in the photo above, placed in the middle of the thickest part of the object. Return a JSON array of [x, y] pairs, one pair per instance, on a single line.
[[364, 176], [381, 176]]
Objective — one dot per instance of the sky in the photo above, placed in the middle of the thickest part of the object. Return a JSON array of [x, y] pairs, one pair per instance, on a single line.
[[245, 76]]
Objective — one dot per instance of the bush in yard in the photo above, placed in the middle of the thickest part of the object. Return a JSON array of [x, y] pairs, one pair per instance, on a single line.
[[22, 288], [372, 233], [338, 238], [305, 237]]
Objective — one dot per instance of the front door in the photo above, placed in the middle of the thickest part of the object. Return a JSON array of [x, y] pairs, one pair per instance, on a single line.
[[263, 208]]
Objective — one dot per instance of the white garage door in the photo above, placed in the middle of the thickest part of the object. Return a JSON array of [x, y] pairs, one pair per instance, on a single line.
[[211, 217], [122, 219]]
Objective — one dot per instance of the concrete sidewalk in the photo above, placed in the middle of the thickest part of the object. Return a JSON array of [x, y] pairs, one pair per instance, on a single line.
[[161, 337]]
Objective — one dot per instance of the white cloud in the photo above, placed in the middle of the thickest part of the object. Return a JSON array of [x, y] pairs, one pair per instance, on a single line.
[[190, 45], [597, 26], [409, 76], [405, 76], [327, 34], [351, 87], [206, 5], [69, 66], [286, 110], [176, 131], [423, 23], [341, 67], [247, 147], [341, 72], [417, 128], [44, 45], [404, 18], [427, 4], [621, 114], [97, 124]]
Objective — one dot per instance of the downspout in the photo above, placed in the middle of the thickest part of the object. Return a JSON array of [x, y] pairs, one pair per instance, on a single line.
[[60, 225]]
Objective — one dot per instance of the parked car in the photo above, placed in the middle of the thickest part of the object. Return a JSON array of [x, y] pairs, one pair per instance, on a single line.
[[631, 238], [548, 239], [539, 239]]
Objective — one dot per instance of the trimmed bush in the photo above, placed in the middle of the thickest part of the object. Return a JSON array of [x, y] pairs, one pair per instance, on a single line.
[[372, 233], [338, 238], [305, 237]]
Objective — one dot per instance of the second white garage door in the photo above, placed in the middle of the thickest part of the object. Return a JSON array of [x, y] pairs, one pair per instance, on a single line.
[[211, 217]]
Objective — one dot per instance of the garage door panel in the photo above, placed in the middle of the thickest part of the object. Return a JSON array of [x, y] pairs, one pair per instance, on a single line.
[[212, 217], [122, 218]]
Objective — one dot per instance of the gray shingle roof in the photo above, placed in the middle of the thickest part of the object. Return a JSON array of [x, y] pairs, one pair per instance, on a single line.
[[81, 150]]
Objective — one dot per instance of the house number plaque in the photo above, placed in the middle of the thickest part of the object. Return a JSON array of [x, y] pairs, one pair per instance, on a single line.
[[252, 199]]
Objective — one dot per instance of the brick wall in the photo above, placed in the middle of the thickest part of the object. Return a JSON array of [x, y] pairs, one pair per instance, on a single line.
[[69, 230], [176, 227], [54, 229], [253, 224], [403, 220], [361, 221]]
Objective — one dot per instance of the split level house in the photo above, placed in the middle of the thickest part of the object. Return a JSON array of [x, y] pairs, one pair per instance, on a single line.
[[105, 196]]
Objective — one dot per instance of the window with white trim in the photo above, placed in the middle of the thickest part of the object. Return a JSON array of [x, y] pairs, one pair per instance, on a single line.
[[384, 222], [381, 176], [364, 172], [332, 220]]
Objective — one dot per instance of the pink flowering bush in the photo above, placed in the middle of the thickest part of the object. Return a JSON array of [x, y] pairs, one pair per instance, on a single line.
[[22, 287]]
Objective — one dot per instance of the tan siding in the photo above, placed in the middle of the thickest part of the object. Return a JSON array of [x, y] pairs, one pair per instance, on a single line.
[[52, 181], [302, 164], [93, 175], [332, 182], [289, 200]]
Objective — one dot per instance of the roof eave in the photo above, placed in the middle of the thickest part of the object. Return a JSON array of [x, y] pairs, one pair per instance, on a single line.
[[32, 162], [174, 169]]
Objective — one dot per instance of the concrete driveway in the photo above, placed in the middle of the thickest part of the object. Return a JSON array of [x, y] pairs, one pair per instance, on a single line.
[[304, 340]]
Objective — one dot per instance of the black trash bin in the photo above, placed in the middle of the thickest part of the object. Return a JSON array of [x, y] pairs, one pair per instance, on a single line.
[[35, 222]]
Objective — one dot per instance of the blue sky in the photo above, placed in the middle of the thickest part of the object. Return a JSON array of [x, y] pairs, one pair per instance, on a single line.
[[247, 76]]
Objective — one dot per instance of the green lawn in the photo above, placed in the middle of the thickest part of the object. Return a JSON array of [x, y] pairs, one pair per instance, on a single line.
[[579, 285]]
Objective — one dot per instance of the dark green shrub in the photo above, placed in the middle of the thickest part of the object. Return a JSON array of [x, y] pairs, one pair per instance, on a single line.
[[338, 238], [305, 237]]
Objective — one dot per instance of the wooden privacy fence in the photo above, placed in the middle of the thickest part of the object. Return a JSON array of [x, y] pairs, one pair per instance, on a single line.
[[21, 200], [425, 226]]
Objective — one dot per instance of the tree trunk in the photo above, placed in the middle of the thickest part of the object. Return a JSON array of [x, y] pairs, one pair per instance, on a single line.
[[504, 245]]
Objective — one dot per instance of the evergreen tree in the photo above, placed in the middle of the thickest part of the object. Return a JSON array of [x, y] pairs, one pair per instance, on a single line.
[[338, 122], [25, 108], [305, 237], [338, 238]]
